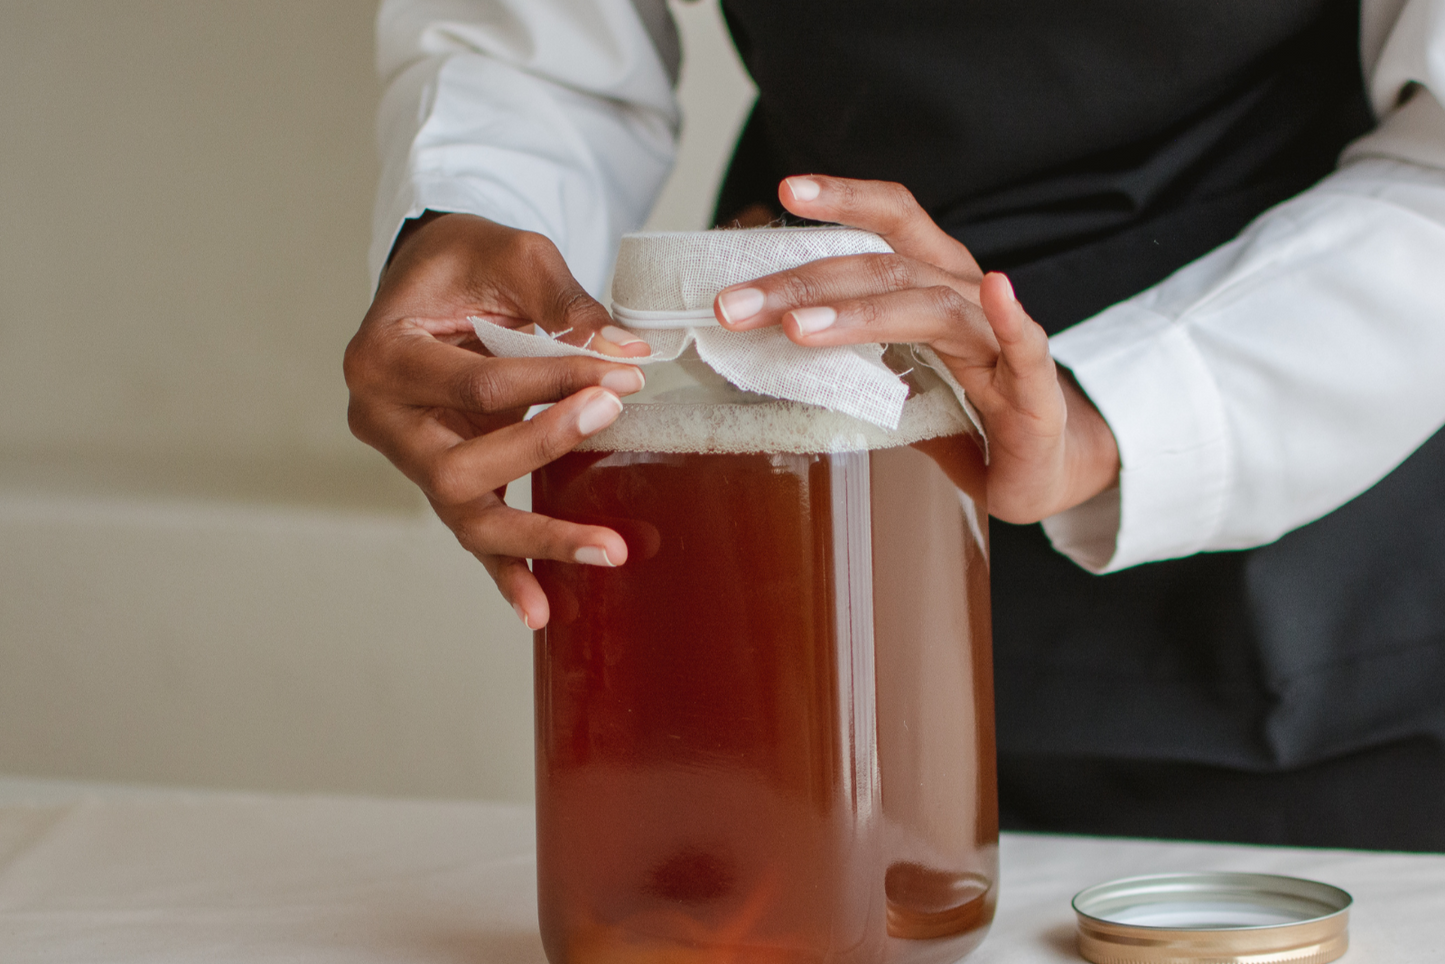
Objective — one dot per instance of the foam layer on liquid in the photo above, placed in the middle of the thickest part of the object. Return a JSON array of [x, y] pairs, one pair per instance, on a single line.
[[777, 426]]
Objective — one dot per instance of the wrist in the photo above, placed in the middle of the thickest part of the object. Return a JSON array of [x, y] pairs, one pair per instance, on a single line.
[[1091, 451]]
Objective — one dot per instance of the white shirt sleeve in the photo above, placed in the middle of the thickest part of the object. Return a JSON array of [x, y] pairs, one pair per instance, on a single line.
[[554, 116], [1266, 384]]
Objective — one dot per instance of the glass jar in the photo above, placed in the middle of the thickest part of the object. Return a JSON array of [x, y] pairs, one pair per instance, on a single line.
[[768, 737]]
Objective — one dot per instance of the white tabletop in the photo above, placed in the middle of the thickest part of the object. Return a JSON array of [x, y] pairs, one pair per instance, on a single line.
[[126, 876]]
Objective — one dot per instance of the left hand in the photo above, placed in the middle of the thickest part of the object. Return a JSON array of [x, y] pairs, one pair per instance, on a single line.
[[1050, 449]]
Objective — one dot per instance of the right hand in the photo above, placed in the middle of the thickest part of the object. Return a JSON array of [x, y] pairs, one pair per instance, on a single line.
[[1049, 447], [427, 396]]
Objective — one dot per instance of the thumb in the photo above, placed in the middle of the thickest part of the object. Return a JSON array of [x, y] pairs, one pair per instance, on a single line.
[[1025, 370], [1022, 343]]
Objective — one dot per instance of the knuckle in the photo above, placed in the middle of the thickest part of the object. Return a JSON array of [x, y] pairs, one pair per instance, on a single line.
[[553, 379], [572, 375], [481, 389], [576, 307], [556, 378], [474, 531], [469, 535], [901, 199], [865, 313], [531, 248], [357, 361], [357, 421], [948, 303], [556, 537], [503, 570], [445, 482], [506, 572], [798, 288], [891, 272], [550, 438], [846, 192], [351, 363]]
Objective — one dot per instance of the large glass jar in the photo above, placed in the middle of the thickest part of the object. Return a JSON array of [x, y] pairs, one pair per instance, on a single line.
[[768, 737]]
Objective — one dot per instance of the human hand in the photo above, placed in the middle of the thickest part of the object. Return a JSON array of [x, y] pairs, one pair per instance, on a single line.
[[450, 417], [1049, 448]]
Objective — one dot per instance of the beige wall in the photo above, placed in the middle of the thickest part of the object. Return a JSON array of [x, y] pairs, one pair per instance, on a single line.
[[203, 577]]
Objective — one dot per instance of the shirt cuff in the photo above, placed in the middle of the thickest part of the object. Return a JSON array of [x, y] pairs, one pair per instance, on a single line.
[[1088, 533], [1147, 378]]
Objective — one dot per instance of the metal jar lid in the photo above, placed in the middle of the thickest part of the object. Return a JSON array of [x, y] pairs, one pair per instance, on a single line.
[[1218, 918]]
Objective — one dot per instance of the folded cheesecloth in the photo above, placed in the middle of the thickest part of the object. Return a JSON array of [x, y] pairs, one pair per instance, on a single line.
[[663, 290]]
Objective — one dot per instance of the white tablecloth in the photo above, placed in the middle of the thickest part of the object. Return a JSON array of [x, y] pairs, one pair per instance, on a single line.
[[220, 878]]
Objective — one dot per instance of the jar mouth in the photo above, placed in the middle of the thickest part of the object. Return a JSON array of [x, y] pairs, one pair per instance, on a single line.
[[666, 318]]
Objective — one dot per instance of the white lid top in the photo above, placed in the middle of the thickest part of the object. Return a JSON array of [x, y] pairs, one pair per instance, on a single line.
[[677, 274]]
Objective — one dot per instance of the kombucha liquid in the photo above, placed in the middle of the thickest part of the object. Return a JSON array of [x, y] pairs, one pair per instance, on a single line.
[[769, 736]]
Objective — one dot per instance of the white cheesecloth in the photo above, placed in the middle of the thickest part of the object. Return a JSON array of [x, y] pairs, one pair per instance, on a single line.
[[663, 290]]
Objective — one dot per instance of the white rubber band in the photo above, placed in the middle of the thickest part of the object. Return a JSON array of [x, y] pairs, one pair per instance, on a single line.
[[693, 318]]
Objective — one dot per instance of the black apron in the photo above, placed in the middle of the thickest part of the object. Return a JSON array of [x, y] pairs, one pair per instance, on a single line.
[[1289, 694]]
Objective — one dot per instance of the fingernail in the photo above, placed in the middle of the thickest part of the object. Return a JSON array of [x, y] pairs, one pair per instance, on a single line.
[[621, 337], [804, 188], [522, 615], [593, 556], [810, 320], [740, 305], [1009, 286], [600, 411], [624, 381]]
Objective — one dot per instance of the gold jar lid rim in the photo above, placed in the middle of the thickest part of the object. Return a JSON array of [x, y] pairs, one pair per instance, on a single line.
[[1218, 917]]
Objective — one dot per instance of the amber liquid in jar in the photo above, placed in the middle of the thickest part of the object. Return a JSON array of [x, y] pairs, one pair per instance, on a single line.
[[769, 736]]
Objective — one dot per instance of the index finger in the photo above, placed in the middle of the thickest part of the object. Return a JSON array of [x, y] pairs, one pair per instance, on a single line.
[[827, 281], [418, 370], [883, 207]]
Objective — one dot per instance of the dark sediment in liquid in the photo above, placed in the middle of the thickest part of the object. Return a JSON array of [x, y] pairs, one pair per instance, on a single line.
[[769, 736]]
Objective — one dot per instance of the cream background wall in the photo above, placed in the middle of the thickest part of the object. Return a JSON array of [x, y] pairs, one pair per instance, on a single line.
[[203, 578]]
